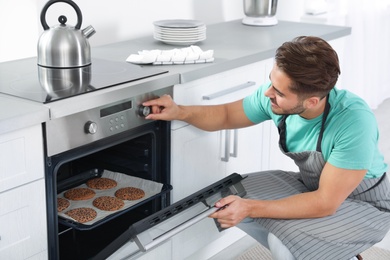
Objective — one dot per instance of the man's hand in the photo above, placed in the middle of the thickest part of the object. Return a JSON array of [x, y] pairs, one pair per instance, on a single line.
[[163, 108], [233, 210]]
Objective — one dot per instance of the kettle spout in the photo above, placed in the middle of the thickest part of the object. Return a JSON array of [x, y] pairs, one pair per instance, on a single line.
[[88, 31]]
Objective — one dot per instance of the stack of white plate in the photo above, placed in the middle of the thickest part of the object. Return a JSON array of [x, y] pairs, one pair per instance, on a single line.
[[179, 32]]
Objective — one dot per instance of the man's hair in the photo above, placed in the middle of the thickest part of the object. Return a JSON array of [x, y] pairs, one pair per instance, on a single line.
[[310, 63]]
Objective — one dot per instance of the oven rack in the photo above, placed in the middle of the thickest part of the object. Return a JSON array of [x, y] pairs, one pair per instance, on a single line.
[[82, 178]]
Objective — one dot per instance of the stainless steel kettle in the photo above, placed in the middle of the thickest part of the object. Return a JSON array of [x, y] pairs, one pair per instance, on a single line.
[[260, 12], [64, 46], [59, 83]]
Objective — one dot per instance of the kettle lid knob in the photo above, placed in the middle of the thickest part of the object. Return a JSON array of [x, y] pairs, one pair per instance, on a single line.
[[62, 19]]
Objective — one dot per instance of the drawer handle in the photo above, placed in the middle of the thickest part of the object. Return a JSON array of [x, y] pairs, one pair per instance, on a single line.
[[227, 152], [229, 90], [227, 146], [235, 144]]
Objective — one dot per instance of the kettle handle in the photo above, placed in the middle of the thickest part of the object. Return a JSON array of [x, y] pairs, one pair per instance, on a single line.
[[73, 4]]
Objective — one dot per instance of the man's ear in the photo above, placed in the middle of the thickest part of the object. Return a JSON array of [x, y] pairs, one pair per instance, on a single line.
[[312, 102]]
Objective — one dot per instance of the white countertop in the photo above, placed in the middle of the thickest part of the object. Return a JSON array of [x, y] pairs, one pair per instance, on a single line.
[[234, 45], [16, 113]]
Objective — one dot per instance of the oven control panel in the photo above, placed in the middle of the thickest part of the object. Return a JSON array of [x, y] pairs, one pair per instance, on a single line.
[[121, 116], [94, 124]]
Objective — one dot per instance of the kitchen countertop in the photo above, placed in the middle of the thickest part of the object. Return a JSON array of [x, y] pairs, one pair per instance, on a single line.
[[19, 113], [234, 45]]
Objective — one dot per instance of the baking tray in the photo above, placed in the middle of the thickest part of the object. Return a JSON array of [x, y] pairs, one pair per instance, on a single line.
[[152, 190]]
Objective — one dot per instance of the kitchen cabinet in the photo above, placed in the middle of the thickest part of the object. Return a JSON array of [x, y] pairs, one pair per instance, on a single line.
[[23, 232], [21, 157], [200, 158], [23, 228]]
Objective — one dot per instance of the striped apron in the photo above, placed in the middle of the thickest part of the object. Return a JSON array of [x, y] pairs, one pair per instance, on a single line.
[[361, 221]]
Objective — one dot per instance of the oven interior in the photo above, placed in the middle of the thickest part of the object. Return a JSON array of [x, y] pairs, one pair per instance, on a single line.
[[142, 152]]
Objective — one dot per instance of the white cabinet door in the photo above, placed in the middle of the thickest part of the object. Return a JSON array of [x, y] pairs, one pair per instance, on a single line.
[[251, 154], [200, 158], [23, 231], [21, 157], [196, 161]]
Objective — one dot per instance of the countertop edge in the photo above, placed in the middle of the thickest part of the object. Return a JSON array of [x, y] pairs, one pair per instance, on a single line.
[[15, 117]]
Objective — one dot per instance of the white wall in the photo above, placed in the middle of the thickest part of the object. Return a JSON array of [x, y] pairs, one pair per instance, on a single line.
[[18, 29]]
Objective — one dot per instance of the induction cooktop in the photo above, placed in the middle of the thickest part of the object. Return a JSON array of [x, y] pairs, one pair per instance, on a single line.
[[25, 79]]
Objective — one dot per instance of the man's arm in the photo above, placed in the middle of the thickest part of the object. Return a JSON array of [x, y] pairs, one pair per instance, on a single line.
[[335, 186], [209, 118]]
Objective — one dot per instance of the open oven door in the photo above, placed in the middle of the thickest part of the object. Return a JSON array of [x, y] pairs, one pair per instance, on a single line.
[[159, 227]]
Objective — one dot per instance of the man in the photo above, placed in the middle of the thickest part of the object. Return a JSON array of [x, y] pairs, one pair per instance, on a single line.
[[338, 204]]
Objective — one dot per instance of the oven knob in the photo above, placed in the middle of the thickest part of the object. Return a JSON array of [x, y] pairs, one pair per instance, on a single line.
[[143, 111], [90, 127]]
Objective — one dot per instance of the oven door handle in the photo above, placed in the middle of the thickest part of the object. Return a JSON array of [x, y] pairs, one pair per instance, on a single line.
[[146, 242]]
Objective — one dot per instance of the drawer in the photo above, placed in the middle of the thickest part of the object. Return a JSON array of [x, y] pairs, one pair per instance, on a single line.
[[21, 157], [23, 228], [221, 88]]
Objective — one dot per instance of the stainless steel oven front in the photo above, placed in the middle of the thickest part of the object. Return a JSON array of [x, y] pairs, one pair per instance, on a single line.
[[114, 141]]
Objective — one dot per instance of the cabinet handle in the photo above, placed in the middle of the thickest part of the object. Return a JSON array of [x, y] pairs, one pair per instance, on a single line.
[[235, 143], [227, 147], [229, 90], [227, 152]]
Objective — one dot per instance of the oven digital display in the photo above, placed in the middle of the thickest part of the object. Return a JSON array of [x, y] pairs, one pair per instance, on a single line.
[[116, 108]]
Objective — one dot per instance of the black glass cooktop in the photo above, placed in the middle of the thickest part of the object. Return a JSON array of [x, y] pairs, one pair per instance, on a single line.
[[25, 79]]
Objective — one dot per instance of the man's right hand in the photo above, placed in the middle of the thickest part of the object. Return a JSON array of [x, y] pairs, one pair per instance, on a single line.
[[163, 108]]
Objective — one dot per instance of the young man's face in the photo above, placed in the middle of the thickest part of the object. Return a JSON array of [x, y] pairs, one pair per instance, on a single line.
[[283, 101]]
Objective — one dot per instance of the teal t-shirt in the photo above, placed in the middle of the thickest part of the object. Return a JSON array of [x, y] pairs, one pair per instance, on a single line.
[[350, 139]]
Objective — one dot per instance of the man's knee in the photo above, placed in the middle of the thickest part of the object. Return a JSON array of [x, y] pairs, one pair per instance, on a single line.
[[278, 250]]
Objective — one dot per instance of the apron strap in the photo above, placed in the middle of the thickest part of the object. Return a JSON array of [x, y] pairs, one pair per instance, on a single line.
[[324, 117], [282, 133], [375, 185]]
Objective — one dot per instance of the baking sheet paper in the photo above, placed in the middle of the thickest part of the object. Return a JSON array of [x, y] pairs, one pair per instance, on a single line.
[[150, 188]]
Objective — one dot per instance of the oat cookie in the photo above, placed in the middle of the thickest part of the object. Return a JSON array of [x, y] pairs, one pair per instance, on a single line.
[[108, 203], [82, 215], [101, 183], [79, 194], [62, 204], [130, 193]]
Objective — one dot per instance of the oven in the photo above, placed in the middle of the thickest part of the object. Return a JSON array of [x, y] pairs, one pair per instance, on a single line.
[[111, 141], [100, 132]]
